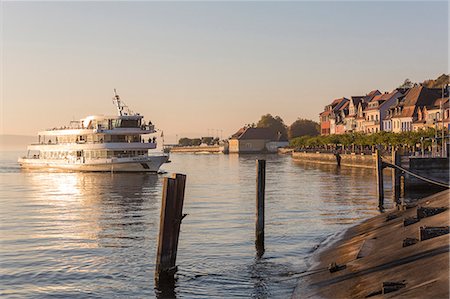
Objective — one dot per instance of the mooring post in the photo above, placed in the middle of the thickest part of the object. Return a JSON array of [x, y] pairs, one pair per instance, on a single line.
[[380, 189], [396, 176], [169, 228], [260, 194]]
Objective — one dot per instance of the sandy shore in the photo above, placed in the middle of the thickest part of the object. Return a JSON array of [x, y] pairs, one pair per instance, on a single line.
[[373, 254]]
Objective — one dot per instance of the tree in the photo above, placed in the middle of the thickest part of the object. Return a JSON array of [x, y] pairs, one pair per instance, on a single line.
[[196, 141], [207, 140], [439, 82], [407, 84], [189, 142], [303, 127], [185, 141], [275, 124]]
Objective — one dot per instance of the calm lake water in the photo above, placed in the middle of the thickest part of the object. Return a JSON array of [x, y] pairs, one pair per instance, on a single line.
[[94, 235]]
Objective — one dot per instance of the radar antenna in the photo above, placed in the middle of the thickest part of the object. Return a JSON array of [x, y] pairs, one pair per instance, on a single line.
[[122, 109]]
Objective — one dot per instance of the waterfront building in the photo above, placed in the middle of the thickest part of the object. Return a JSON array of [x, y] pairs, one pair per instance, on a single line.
[[377, 109], [403, 109], [350, 118], [255, 140], [339, 118], [360, 116], [402, 115], [433, 116], [329, 116]]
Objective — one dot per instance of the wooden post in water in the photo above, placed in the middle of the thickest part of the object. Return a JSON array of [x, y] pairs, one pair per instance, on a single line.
[[260, 195], [180, 180], [169, 228], [396, 160], [380, 187]]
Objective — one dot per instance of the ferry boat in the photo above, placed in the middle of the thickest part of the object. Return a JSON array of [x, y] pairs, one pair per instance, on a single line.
[[120, 143]]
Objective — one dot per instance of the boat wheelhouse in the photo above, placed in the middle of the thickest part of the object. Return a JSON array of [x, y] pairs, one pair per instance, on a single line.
[[122, 142]]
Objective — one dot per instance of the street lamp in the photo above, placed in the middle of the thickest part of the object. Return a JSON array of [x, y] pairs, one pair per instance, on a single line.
[[438, 114], [442, 119]]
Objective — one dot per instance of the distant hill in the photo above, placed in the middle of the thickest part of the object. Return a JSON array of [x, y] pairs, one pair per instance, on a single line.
[[15, 142]]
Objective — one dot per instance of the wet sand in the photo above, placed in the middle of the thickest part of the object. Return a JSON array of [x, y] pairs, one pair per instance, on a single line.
[[373, 253]]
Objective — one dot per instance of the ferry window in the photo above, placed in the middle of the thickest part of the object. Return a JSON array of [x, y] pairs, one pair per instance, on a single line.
[[118, 138], [129, 123]]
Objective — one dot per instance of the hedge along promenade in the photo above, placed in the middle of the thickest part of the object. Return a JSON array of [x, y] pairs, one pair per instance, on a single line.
[[359, 141]]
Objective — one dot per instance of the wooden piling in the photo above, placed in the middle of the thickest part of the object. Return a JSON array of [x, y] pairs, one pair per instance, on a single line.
[[260, 195], [380, 187], [180, 188], [169, 228], [396, 160]]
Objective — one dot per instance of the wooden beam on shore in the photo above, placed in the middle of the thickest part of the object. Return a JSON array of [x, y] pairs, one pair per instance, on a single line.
[[169, 228], [260, 196]]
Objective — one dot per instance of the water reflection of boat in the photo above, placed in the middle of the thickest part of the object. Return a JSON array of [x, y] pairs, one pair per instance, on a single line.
[[98, 143], [104, 210]]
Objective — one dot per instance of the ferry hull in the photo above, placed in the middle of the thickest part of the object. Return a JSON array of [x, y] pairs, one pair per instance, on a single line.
[[150, 164]]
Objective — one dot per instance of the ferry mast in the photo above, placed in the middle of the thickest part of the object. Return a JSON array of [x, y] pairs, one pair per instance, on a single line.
[[122, 109]]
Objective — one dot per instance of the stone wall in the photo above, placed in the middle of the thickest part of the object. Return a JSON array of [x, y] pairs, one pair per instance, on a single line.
[[432, 168]]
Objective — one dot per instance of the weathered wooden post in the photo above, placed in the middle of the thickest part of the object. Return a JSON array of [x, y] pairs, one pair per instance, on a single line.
[[180, 180], [260, 195], [169, 228], [380, 187], [396, 160]]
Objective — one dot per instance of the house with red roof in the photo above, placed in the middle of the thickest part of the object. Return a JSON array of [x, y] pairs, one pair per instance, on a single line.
[[329, 116], [360, 110], [435, 115], [339, 118], [413, 108], [377, 109], [350, 118]]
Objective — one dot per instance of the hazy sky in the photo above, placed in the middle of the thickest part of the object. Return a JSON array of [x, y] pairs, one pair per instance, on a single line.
[[194, 66]]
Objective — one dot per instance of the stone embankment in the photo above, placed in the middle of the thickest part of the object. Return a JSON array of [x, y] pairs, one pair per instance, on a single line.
[[398, 254], [354, 160], [196, 149], [432, 168]]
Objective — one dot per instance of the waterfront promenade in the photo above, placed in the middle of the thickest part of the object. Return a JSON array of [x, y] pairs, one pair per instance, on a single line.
[[372, 254]]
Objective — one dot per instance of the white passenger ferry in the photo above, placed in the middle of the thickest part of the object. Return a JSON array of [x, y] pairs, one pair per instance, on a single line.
[[98, 143]]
